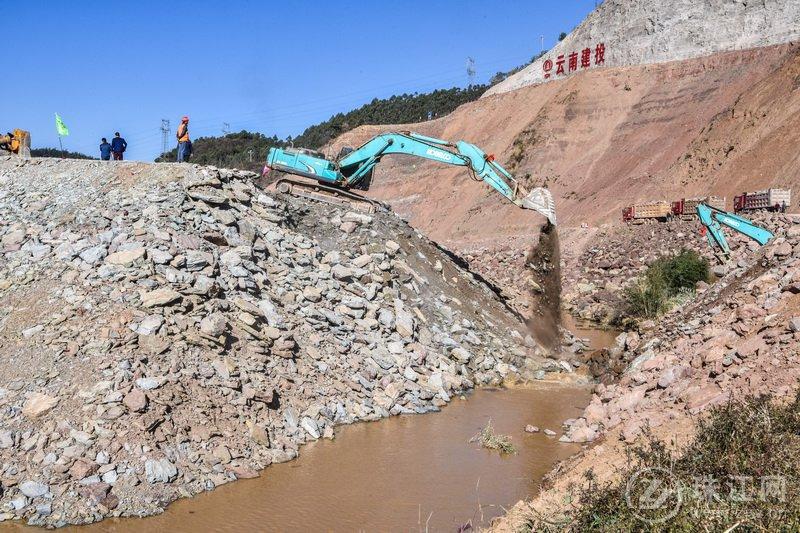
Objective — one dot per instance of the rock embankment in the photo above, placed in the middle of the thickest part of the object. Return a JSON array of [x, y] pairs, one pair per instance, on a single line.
[[739, 337], [595, 279], [170, 328]]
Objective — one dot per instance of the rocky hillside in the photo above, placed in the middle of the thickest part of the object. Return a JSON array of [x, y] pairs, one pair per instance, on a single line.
[[595, 279], [637, 32], [166, 329], [738, 338]]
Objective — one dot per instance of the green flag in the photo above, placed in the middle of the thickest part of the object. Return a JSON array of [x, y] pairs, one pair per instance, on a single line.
[[61, 128]]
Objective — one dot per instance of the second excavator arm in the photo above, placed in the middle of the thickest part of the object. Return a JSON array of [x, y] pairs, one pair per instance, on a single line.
[[713, 219]]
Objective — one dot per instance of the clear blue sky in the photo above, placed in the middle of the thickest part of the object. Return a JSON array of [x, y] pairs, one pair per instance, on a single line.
[[273, 67]]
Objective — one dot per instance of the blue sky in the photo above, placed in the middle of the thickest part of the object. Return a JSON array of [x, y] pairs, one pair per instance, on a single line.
[[273, 67]]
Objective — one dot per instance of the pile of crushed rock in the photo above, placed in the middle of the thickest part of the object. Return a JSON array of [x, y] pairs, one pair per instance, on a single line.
[[166, 329]]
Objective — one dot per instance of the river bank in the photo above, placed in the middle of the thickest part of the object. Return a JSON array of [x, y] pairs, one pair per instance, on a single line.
[[410, 473]]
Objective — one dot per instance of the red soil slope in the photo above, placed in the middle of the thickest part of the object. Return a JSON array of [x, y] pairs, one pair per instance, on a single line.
[[607, 138]]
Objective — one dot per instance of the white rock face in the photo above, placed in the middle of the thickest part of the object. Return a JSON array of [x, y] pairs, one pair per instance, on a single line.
[[637, 32]]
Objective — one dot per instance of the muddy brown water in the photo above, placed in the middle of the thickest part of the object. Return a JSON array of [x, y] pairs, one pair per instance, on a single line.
[[404, 473], [598, 338]]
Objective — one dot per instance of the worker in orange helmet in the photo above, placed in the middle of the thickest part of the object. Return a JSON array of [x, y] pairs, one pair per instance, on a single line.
[[184, 143]]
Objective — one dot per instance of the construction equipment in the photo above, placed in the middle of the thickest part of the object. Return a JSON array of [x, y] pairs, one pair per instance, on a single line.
[[333, 180], [713, 219], [17, 142], [686, 208], [771, 199]]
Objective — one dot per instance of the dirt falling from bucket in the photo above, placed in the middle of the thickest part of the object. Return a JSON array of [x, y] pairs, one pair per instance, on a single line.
[[544, 266]]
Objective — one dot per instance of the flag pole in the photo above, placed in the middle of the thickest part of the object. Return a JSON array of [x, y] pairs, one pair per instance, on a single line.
[[60, 145]]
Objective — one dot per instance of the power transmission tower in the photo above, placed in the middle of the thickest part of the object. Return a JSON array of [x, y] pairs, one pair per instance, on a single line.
[[471, 70], [164, 134], [226, 128]]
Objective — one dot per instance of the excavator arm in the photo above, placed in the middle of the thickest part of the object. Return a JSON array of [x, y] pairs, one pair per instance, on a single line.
[[353, 169], [356, 165], [713, 219]]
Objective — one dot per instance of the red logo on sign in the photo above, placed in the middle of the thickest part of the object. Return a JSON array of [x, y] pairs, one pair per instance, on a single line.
[[547, 66]]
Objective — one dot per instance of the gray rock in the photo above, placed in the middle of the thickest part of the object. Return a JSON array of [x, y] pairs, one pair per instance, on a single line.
[[160, 471], [6, 439], [310, 425], [214, 324], [150, 325], [404, 321], [197, 260], [149, 383], [33, 489], [159, 257], [94, 254]]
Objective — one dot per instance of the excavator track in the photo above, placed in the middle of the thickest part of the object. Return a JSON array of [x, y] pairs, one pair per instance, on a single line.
[[313, 190]]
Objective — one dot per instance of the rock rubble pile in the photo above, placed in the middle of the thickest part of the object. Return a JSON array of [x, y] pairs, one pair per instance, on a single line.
[[738, 337], [166, 329]]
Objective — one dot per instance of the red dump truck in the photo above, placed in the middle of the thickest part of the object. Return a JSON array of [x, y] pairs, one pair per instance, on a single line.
[[772, 199], [648, 210], [686, 208]]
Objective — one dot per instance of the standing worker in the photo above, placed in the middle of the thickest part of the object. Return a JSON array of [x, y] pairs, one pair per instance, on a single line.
[[118, 146], [184, 144], [105, 150]]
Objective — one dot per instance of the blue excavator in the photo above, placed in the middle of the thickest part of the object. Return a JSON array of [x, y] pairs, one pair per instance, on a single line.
[[310, 174], [713, 219]]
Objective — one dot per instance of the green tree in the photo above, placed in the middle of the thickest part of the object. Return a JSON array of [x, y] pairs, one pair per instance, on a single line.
[[55, 152]]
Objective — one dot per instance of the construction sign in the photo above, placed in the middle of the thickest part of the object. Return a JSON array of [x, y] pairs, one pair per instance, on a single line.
[[572, 60], [61, 128]]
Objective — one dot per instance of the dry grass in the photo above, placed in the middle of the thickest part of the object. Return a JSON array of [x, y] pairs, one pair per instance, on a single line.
[[487, 438]]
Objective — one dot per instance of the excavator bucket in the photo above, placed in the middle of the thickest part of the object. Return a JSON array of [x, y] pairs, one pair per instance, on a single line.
[[540, 199]]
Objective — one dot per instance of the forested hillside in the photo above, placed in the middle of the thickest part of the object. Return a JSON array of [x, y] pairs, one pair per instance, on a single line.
[[248, 150], [55, 152]]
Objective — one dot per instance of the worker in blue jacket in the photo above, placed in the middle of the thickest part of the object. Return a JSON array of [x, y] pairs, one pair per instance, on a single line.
[[118, 146], [105, 150]]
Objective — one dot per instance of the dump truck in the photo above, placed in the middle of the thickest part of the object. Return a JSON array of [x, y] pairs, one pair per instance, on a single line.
[[770, 199], [660, 210], [686, 208]]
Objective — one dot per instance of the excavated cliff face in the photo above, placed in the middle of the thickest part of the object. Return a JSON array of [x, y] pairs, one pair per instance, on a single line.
[[637, 32], [604, 139], [601, 140]]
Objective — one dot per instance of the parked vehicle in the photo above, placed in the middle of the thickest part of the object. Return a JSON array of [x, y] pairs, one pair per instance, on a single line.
[[686, 208], [771, 199], [660, 210]]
